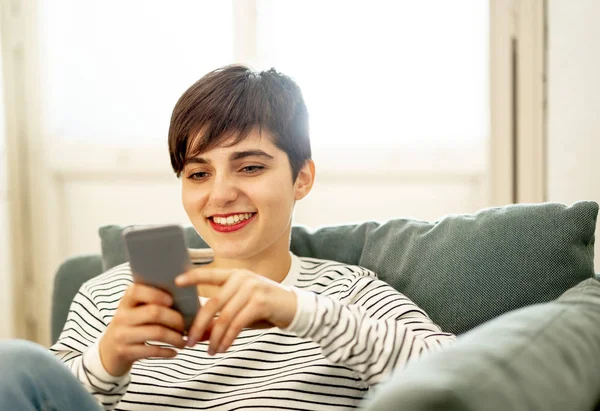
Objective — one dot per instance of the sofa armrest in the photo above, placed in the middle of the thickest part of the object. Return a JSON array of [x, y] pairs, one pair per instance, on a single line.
[[69, 278]]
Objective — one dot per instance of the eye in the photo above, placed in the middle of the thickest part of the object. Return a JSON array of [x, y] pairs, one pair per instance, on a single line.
[[199, 175], [252, 169]]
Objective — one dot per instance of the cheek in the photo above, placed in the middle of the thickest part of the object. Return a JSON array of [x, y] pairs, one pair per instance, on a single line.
[[278, 201], [185, 201], [192, 200]]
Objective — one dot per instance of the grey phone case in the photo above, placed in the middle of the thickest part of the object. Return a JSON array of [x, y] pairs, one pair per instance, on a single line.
[[158, 254]]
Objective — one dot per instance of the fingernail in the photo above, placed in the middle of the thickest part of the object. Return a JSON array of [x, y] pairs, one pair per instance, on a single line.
[[222, 349], [191, 341], [211, 351], [179, 279]]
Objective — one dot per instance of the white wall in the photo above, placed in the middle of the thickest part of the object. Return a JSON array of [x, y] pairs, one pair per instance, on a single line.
[[574, 103], [6, 301], [6, 311]]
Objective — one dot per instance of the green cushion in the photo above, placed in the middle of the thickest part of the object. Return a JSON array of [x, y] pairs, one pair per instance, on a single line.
[[542, 357], [462, 270]]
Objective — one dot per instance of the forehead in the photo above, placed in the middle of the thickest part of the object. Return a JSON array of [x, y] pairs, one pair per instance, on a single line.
[[255, 139]]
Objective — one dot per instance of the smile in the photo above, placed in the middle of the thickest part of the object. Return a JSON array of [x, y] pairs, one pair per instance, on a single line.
[[231, 223]]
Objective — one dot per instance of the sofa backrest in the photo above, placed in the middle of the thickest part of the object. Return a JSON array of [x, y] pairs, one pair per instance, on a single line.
[[462, 270]]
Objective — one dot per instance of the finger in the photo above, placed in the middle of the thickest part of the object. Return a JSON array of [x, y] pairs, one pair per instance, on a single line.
[[248, 315], [212, 307], [155, 314], [137, 294], [141, 334], [228, 314], [204, 275], [205, 336], [141, 351]]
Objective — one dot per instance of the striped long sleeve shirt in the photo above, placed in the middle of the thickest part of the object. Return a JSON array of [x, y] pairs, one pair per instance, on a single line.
[[349, 332]]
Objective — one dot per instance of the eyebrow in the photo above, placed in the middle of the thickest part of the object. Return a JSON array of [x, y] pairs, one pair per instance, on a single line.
[[238, 155]]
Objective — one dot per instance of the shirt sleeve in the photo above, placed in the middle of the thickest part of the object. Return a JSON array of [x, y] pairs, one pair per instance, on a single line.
[[77, 347], [368, 327]]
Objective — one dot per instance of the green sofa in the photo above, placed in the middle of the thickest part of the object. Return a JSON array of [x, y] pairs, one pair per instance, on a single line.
[[516, 283]]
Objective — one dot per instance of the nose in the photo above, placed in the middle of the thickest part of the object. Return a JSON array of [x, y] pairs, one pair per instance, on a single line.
[[223, 191]]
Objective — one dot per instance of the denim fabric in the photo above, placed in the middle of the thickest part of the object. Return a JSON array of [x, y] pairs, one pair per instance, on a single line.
[[32, 379]]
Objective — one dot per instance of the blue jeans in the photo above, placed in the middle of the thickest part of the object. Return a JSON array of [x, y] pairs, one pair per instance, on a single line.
[[32, 379]]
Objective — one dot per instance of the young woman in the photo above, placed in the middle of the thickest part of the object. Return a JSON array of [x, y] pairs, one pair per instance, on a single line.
[[275, 331]]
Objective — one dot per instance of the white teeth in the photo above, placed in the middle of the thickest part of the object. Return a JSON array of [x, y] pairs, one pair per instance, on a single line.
[[232, 219]]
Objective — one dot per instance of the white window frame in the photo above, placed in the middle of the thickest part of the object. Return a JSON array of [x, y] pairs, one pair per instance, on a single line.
[[518, 101]]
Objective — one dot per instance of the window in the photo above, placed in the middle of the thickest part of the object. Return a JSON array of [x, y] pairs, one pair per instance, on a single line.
[[389, 73], [113, 69], [384, 73]]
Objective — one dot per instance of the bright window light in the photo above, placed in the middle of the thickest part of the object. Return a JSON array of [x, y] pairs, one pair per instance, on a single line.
[[383, 73], [113, 69], [375, 74]]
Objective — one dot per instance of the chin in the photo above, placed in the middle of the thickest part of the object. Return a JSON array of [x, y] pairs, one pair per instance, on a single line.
[[230, 252], [228, 249]]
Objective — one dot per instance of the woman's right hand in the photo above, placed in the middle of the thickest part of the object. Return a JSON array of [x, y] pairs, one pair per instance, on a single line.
[[144, 314]]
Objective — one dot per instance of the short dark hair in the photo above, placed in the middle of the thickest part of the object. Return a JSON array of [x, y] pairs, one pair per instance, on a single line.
[[235, 99]]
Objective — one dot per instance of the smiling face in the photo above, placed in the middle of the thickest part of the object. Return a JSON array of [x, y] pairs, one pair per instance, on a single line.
[[240, 198]]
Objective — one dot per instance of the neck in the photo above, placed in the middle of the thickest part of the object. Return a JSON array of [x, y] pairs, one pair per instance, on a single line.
[[274, 267], [273, 263]]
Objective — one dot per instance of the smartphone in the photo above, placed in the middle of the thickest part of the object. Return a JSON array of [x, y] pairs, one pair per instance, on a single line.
[[158, 254]]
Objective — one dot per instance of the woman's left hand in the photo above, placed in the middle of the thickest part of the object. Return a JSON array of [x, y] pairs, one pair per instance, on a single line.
[[244, 298]]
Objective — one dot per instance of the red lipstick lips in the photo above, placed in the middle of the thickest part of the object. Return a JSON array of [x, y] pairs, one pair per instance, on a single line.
[[230, 228]]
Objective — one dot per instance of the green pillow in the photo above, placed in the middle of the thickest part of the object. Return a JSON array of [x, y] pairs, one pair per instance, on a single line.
[[542, 357], [462, 270]]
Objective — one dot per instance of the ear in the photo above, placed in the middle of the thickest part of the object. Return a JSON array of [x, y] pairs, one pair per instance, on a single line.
[[305, 180]]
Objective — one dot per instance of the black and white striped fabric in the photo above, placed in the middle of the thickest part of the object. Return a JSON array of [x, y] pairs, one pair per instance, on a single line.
[[349, 332]]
